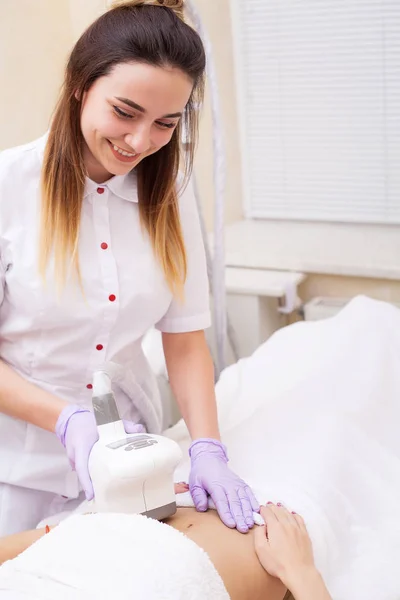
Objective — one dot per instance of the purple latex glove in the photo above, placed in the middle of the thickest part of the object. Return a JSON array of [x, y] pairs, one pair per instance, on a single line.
[[210, 474], [76, 429]]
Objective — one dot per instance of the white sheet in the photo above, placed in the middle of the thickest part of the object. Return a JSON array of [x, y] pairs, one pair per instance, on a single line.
[[312, 419], [98, 557]]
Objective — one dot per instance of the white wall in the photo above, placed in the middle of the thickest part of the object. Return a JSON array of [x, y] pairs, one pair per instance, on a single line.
[[34, 39]]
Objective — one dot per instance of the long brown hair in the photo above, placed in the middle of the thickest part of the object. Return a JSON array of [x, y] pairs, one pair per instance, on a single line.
[[132, 31]]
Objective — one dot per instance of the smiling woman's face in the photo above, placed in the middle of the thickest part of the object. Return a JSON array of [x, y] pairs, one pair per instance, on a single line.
[[130, 114]]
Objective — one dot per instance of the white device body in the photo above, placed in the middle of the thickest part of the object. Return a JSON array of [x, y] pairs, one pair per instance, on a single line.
[[131, 473]]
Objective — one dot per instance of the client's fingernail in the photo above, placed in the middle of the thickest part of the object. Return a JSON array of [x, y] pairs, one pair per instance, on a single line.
[[269, 502], [279, 504], [293, 513]]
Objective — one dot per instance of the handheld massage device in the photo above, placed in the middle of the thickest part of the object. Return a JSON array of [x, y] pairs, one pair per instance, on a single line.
[[131, 473]]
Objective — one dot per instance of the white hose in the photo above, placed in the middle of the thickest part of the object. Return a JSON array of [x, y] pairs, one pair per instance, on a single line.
[[217, 280], [230, 330]]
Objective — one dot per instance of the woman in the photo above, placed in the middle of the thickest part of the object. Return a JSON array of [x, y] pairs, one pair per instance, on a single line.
[[283, 557], [98, 243]]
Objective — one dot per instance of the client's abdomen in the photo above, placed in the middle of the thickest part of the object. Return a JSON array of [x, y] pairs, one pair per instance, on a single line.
[[232, 554]]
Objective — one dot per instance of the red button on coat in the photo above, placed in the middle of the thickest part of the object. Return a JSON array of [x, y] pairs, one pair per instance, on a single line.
[[104, 246], [89, 386], [100, 190], [99, 347], [112, 298]]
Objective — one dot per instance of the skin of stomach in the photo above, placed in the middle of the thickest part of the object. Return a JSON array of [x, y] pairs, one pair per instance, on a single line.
[[232, 554]]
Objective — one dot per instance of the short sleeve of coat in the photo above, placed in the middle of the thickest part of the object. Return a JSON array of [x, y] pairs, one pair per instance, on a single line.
[[2, 278], [193, 313], [2, 241]]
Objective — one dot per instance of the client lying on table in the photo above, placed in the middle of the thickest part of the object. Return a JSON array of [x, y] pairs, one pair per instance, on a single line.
[[286, 555]]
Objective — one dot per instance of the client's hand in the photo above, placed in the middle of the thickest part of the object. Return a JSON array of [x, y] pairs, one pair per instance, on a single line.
[[284, 549], [181, 488], [76, 429], [210, 474]]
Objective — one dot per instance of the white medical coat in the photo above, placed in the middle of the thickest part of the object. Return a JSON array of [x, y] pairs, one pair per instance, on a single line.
[[58, 341]]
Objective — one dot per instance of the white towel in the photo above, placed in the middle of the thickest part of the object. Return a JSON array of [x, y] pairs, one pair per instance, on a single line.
[[107, 556], [312, 420]]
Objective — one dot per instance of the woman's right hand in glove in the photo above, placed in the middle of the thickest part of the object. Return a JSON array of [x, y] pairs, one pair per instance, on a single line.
[[76, 428]]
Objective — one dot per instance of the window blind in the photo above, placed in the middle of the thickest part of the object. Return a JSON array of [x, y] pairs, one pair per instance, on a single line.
[[318, 83]]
